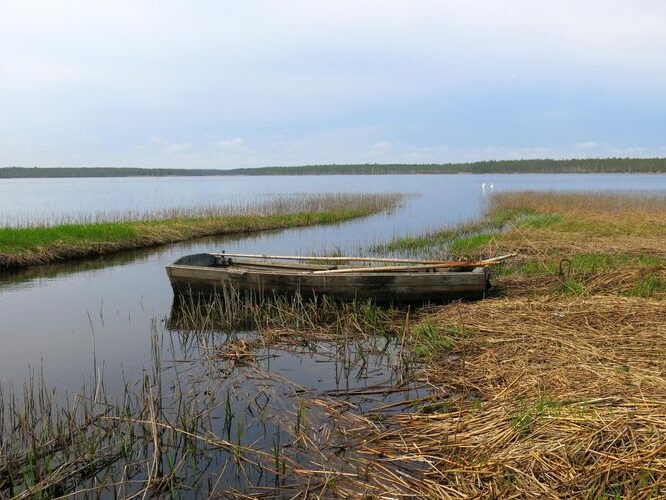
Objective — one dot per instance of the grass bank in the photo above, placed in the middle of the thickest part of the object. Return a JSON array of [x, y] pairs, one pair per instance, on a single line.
[[25, 246], [583, 244], [570, 243]]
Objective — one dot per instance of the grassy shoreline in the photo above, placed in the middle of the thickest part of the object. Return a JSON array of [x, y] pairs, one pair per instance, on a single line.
[[27, 246]]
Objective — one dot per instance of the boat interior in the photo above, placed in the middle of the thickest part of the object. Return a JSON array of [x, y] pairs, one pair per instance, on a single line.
[[221, 261]]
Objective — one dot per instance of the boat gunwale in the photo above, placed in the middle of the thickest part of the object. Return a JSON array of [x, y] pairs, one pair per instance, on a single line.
[[311, 272]]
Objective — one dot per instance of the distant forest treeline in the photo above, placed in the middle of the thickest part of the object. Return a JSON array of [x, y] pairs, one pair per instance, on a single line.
[[592, 165]]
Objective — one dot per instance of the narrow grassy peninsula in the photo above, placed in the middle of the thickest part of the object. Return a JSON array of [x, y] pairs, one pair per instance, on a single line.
[[68, 239]]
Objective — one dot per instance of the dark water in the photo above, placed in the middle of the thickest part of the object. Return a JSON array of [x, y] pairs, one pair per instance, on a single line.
[[57, 316], [266, 401]]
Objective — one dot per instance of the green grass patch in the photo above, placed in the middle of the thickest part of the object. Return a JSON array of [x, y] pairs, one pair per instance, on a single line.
[[498, 217], [429, 339], [468, 244], [529, 218], [412, 244], [529, 413], [538, 221], [584, 263], [375, 319], [33, 238], [649, 286], [573, 286], [650, 260], [439, 243]]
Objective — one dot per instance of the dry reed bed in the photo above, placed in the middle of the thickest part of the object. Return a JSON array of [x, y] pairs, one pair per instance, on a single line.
[[606, 282], [601, 204], [550, 398], [544, 242], [595, 347], [630, 224]]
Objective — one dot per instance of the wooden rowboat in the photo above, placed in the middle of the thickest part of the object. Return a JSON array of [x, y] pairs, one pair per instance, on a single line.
[[434, 281]]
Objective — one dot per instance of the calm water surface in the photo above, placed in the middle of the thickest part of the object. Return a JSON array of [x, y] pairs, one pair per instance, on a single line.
[[55, 317]]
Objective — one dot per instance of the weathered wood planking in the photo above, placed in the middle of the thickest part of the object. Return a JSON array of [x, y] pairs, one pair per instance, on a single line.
[[200, 274]]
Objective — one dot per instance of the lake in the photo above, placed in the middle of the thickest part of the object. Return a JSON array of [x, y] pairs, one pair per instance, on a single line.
[[53, 316]]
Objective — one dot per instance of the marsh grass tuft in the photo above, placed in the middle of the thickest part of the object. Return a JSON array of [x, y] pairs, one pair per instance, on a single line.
[[278, 318], [430, 338], [529, 413], [649, 286]]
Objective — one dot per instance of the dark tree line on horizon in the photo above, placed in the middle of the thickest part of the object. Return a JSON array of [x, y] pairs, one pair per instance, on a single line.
[[539, 166]]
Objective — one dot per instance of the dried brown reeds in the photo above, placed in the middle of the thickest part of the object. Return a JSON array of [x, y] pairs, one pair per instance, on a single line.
[[630, 224], [550, 398], [588, 347], [586, 205], [566, 243], [623, 281]]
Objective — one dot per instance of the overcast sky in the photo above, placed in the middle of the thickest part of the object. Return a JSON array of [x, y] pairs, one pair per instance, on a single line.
[[253, 83]]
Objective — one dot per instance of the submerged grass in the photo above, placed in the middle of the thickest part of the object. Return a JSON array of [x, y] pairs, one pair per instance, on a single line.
[[285, 320], [24, 246], [147, 441], [206, 421]]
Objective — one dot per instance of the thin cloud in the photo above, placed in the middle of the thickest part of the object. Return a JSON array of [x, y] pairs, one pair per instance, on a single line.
[[178, 148], [234, 144]]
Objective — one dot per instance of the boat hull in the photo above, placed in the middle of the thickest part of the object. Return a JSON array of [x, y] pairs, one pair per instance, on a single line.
[[191, 277]]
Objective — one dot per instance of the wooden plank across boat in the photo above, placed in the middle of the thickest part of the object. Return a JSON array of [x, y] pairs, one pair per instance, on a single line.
[[422, 281]]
